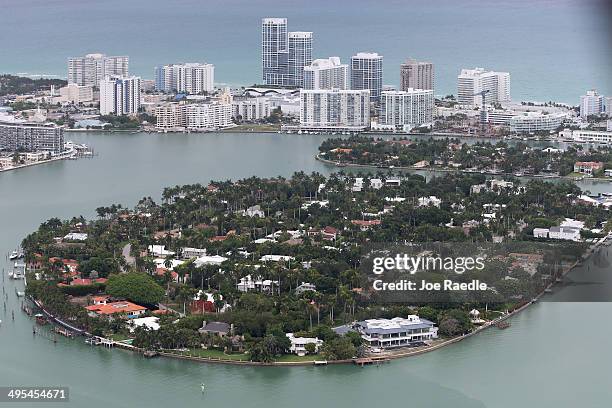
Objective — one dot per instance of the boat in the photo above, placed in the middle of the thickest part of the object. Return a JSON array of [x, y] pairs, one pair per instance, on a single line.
[[19, 293], [502, 325], [40, 319], [14, 255]]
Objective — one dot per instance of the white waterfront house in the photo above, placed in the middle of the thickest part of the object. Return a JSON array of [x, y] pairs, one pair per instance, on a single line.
[[298, 344], [396, 332]]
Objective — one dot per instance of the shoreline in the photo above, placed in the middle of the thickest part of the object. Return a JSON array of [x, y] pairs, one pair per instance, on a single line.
[[380, 358], [70, 156], [447, 170]]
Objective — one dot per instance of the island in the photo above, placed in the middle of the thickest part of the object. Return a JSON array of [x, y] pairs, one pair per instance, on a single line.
[[281, 271]]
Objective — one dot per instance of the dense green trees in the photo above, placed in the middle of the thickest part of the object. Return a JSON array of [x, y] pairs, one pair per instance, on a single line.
[[136, 287]]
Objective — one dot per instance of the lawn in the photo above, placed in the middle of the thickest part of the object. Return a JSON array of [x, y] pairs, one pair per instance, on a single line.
[[217, 354], [254, 127], [286, 358]]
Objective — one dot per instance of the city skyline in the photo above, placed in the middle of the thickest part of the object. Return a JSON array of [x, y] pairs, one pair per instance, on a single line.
[[236, 55]]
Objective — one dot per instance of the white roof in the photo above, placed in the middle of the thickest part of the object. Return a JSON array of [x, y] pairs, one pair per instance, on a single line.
[[276, 258], [76, 236], [210, 260], [159, 250], [151, 323]]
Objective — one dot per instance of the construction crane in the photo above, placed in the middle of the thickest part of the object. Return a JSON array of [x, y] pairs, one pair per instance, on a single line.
[[483, 112]]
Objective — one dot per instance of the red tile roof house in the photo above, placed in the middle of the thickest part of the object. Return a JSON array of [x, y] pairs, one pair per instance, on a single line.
[[71, 264], [162, 272], [328, 233], [587, 167], [86, 281], [100, 300], [365, 224], [123, 308]]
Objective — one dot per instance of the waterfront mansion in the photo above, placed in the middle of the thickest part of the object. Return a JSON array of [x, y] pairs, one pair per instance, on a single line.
[[396, 332]]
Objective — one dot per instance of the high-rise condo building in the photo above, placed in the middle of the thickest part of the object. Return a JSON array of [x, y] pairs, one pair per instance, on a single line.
[[334, 108], [591, 104], [326, 74], [120, 95], [274, 51], [416, 75], [300, 55], [92, 68], [471, 82], [409, 108], [367, 73], [284, 54], [191, 78]]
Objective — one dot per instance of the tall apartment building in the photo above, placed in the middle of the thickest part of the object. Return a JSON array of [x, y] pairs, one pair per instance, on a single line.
[[31, 136], [284, 54], [409, 108], [416, 75], [300, 56], [197, 116], [592, 104], [326, 73], [334, 108], [120, 95], [92, 68], [274, 51], [367, 73], [471, 82], [191, 78]]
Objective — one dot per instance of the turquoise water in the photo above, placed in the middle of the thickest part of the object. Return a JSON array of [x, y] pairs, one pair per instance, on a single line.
[[553, 355], [554, 49]]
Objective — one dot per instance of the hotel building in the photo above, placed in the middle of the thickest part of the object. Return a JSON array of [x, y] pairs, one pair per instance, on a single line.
[[367, 73], [92, 68], [471, 82], [530, 122], [407, 109], [326, 73], [591, 104], [120, 95], [416, 75], [191, 78]]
